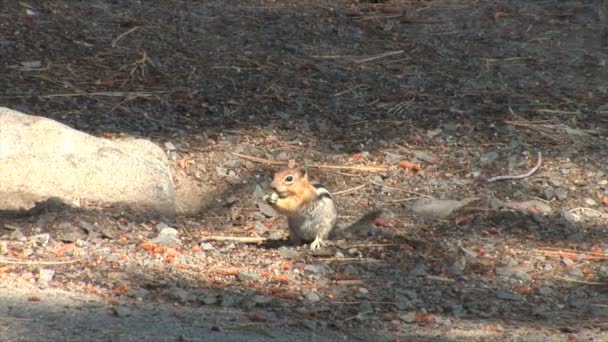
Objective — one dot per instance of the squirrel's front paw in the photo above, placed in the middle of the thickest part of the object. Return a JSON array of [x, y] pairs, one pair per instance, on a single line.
[[272, 198], [317, 243]]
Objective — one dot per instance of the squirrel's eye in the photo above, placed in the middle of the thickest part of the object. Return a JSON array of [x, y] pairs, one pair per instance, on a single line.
[[289, 179]]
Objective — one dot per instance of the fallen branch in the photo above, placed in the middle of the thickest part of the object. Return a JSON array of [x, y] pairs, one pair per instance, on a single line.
[[383, 55], [34, 262], [242, 239], [362, 168], [348, 191], [527, 174]]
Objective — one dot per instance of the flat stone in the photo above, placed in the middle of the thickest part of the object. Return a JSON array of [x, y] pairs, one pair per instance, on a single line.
[[72, 164]]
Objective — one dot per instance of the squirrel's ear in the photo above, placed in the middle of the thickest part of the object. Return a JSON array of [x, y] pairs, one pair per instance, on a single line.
[[302, 172]]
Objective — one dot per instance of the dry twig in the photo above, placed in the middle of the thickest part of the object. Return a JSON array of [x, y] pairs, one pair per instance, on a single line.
[[527, 174], [362, 168]]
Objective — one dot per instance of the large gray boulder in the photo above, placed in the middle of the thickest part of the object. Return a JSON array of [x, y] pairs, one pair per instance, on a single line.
[[42, 158]]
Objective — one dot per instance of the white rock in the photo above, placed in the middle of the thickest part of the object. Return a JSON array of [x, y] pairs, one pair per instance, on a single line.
[[43, 158]]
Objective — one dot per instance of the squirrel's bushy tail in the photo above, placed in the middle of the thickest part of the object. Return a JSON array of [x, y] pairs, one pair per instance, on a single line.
[[359, 227]]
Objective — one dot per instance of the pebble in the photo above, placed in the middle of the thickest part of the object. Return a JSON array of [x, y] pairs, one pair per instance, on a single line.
[[121, 311], [208, 299], [457, 310], [569, 216], [312, 296], [266, 209], [408, 317], [567, 262], [260, 228], [548, 194], [261, 300], [41, 239], [206, 246], [170, 146], [233, 164], [309, 324], [17, 235], [392, 158], [589, 202], [599, 310], [418, 271], [247, 276], [575, 272], [316, 269], [488, 157], [230, 300], [561, 194], [45, 275], [545, 291], [457, 267], [68, 237], [288, 253], [167, 236], [506, 295], [179, 294]]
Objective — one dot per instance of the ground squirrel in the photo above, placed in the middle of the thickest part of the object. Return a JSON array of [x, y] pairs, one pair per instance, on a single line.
[[310, 209]]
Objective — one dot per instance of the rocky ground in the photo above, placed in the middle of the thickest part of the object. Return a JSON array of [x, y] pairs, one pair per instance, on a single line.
[[410, 106]]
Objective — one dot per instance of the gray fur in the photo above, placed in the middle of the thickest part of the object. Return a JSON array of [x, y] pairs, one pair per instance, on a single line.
[[316, 221]]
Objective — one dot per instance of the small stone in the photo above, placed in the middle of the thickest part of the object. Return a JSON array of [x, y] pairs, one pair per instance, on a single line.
[[266, 209], [233, 164], [561, 194], [231, 200], [167, 236], [457, 310], [569, 216], [575, 272], [545, 291], [275, 236], [68, 237], [41, 239], [258, 191], [178, 294], [411, 294], [599, 310], [160, 226], [108, 233], [170, 146], [506, 295], [488, 157], [567, 262], [418, 271], [247, 276], [408, 317], [548, 194], [230, 300], [259, 228], [589, 202], [288, 253], [392, 158], [137, 292], [316, 269], [208, 300], [458, 266], [312, 296], [260, 300], [206, 246], [17, 235], [45, 275], [86, 226], [121, 311], [309, 324]]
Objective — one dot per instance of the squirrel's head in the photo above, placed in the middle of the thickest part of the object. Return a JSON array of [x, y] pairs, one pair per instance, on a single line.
[[290, 181]]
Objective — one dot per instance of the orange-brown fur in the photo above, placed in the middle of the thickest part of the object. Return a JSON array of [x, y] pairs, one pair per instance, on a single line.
[[292, 197]]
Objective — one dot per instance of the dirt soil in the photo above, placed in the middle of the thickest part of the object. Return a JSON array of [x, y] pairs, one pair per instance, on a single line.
[[385, 102]]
